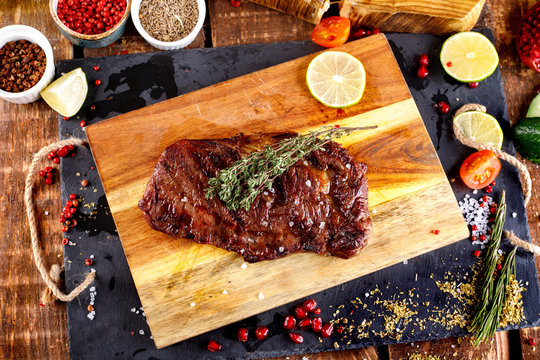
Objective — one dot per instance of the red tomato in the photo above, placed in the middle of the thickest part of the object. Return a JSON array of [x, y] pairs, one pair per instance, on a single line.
[[332, 31], [480, 169]]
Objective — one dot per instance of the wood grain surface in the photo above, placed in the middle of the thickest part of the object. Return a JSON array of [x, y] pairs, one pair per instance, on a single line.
[[404, 176], [416, 16], [28, 331], [311, 10]]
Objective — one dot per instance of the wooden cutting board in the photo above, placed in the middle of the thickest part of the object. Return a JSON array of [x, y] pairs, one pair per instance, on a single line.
[[180, 283], [416, 16]]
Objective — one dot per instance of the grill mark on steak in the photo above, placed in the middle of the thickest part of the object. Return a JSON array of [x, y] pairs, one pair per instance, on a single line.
[[319, 204]]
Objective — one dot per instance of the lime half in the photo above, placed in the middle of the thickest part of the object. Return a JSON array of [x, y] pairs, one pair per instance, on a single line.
[[66, 95], [480, 127], [336, 79], [469, 57]]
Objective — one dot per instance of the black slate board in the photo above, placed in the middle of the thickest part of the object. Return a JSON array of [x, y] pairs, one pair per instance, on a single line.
[[119, 330]]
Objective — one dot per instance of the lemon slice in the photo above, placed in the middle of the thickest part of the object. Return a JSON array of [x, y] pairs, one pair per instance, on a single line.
[[469, 57], [480, 127], [336, 79], [66, 95]]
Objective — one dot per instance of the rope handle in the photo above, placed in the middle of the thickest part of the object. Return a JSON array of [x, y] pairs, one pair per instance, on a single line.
[[51, 277], [524, 172]]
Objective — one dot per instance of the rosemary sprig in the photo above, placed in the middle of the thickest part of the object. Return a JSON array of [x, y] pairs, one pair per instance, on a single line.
[[493, 289], [238, 185]]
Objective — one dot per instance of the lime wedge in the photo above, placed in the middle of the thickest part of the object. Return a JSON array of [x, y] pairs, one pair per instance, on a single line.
[[469, 57], [534, 108], [480, 127], [336, 79], [66, 94]]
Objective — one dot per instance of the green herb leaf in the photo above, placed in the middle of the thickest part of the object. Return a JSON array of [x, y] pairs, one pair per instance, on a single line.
[[240, 184]]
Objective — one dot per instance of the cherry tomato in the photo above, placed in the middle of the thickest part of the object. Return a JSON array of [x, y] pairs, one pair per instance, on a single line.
[[480, 169], [332, 31]]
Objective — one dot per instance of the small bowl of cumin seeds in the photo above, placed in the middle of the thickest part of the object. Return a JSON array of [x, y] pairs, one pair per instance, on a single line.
[[168, 24]]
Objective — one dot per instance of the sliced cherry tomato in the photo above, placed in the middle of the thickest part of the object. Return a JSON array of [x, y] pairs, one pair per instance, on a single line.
[[480, 169], [332, 31]]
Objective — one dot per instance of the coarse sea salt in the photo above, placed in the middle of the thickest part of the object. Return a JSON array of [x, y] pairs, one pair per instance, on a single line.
[[475, 214]]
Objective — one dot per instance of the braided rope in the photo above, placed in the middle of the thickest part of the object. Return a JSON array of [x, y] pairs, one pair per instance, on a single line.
[[52, 277]]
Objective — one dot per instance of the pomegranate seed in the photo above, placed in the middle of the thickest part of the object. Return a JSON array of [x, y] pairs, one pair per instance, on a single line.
[[95, 67], [72, 196], [56, 160], [449, 64], [360, 33], [92, 107], [485, 198], [327, 330], [531, 341], [64, 228], [97, 82], [75, 202], [436, 231], [304, 324], [296, 338], [299, 312], [49, 175], [242, 334], [52, 154], [474, 228], [493, 210], [213, 346], [289, 323], [337, 126], [73, 223], [65, 241], [317, 311], [482, 237], [82, 123], [474, 85], [422, 72], [473, 238], [88, 262], [375, 31], [63, 152], [488, 189], [42, 173], [65, 118], [499, 267], [493, 184], [477, 253], [235, 3], [48, 181], [48, 169], [316, 324], [340, 329], [309, 305], [443, 107], [424, 60], [261, 332]]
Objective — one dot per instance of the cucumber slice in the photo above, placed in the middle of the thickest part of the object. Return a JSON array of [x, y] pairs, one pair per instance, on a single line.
[[534, 108]]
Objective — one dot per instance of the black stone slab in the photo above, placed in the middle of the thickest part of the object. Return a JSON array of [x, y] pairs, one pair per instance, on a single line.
[[133, 81]]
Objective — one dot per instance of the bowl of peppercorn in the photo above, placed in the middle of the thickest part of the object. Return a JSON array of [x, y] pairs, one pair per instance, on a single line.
[[27, 63], [168, 24], [91, 24]]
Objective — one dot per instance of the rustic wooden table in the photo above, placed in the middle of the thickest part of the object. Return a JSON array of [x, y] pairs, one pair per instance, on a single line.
[[29, 331]]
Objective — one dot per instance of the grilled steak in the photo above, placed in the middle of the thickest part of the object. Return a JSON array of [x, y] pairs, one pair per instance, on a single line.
[[319, 204]]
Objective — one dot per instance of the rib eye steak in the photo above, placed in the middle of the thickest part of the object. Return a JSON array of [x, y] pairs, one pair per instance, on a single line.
[[319, 204]]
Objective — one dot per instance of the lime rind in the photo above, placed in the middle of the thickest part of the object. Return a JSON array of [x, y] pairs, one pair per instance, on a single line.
[[480, 127], [473, 42], [320, 74]]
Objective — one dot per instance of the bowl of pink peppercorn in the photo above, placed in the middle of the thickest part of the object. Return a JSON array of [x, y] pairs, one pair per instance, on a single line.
[[90, 23]]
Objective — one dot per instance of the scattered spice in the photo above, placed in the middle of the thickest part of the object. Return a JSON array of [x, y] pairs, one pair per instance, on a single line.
[[168, 20], [22, 65]]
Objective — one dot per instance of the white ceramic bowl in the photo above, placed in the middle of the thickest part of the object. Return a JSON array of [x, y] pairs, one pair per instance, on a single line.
[[23, 32], [168, 45]]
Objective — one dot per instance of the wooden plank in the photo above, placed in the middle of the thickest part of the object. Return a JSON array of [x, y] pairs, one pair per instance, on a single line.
[[251, 23], [417, 16], [131, 42], [453, 348], [310, 11], [170, 274], [369, 353], [28, 330]]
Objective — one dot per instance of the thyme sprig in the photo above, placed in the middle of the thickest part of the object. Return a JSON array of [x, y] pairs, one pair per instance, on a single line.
[[494, 289], [238, 185]]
